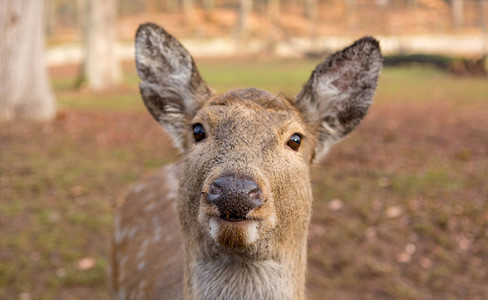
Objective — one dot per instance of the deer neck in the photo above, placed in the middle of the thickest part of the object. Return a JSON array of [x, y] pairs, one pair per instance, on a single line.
[[230, 276]]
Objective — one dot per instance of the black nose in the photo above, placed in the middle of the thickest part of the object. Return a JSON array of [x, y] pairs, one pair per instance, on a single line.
[[234, 196]]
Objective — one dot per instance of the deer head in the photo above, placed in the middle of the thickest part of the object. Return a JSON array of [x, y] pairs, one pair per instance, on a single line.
[[244, 193]]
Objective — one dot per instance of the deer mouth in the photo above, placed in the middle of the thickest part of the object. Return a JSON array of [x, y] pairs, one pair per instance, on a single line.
[[233, 232], [232, 218]]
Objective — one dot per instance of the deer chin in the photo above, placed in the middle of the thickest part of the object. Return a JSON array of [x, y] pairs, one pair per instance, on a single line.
[[237, 234], [234, 234]]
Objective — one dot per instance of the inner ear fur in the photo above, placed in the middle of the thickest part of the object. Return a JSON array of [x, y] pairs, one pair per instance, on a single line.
[[339, 92], [172, 88]]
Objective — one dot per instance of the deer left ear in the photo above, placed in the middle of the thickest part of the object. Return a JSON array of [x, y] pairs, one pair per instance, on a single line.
[[340, 91], [171, 87]]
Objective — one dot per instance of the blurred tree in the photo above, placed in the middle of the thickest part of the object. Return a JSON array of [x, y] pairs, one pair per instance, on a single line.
[[482, 11], [274, 18], [274, 12], [188, 10], [311, 12], [101, 67], [351, 13], [245, 9], [208, 4], [457, 11], [171, 5], [50, 17], [24, 84], [153, 6], [311, 9]]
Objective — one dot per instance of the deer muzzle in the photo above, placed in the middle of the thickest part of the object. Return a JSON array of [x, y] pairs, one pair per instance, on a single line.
[[234, 196]]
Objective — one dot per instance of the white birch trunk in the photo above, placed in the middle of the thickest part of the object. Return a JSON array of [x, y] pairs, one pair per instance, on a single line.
[[101, 67], [25, 92]]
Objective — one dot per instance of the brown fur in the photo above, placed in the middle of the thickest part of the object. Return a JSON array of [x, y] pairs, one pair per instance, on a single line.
[[247, 130]]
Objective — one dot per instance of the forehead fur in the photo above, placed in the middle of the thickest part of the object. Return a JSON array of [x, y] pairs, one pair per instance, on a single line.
[[254, 109], [255, 98], [257, 118]]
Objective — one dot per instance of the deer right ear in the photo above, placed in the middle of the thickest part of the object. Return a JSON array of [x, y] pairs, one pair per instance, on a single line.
[[171, 87], [340, 91]]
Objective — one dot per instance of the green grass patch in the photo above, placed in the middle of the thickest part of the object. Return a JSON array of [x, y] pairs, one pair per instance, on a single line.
[[396, 84]]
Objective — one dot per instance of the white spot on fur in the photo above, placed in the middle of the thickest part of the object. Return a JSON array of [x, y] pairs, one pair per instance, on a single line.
[[272, 220], [132, 232], [121, 294], [142, 284], [141, 254], [252, 233], [145, 243], [157, 229], [172, 182], [150, 207], [143, 250], [124, 260], [214, 228], [139, 187], [141, 265], [119, 233], [121, 277], [157, 234]]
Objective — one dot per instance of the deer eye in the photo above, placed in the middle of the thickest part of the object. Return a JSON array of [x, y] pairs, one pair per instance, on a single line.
[[198, 132], [294, 142]]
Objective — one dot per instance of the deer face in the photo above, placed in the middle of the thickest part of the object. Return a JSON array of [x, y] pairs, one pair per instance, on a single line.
[[248, 160], [245, 184]]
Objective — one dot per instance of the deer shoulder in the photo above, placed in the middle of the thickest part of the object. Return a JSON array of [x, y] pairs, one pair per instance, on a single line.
[[147, 245]]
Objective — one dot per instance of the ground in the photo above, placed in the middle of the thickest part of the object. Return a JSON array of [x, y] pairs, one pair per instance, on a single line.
[[401, 206]]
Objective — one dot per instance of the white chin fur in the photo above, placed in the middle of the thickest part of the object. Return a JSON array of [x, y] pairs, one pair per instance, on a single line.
[[214, 228], [251, 230], [252, 234]]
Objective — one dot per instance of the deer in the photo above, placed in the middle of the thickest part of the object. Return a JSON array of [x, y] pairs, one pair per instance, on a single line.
[[229, 220]]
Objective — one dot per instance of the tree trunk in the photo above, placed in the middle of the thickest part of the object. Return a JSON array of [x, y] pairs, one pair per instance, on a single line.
[[244, 15], [352, 15], [273, 15], [311, 12], [274, 11], [50, 17], [482, 10], [188, 10], [208, 5], [101, 67], [171, 5], [457, 10], [24, 86]]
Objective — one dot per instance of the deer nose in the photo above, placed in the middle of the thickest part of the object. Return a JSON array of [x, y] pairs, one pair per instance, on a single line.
[[234, 196]]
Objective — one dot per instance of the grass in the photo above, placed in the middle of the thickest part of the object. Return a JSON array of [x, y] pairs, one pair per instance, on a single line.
[[411, 182], [399, 85]]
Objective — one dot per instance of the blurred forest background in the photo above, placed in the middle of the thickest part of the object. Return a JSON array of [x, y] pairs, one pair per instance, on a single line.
[[401, 208]]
